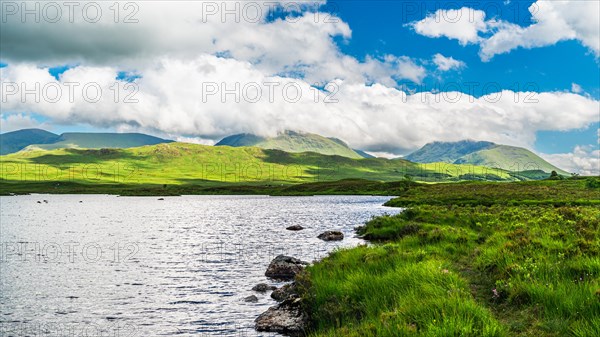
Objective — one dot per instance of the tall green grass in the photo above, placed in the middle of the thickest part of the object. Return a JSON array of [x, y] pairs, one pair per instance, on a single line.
[[390, 291], [509, 269]]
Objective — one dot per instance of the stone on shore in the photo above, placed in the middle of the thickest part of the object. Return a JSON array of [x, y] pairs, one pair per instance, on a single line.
[[286, 318], [251, 298], [285, 292], [331, 236], [295, 228], [263, 287], [285, 268]]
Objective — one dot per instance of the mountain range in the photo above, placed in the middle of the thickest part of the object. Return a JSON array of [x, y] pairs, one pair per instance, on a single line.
[[466, 152], [194, 164]]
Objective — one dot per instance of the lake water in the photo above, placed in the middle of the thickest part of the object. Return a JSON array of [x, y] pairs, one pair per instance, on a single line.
[[100, 265]]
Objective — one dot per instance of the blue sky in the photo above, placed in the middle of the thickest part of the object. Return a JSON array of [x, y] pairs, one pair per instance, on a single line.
[[553, 67], [547, 47]]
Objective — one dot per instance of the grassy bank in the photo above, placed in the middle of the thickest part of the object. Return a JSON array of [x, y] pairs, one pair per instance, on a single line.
[[566, 192], [341, 187], [451, 267]]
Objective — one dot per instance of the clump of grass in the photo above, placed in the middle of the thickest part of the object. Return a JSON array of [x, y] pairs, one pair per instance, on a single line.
[[387, 291], [387, 228]]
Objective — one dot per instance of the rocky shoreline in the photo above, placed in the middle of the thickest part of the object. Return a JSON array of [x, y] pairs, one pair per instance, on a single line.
[[289, 316]]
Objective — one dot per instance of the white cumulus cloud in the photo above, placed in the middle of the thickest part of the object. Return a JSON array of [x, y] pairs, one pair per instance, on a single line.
[[553, 21], [584, 160], [462, 24], [444, 63], [19, 121], [300, 43]]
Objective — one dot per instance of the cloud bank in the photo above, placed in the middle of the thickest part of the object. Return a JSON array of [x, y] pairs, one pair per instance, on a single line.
[[584, 160], [213, 97]]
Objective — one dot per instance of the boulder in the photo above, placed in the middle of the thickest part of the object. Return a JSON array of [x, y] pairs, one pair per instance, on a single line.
[[286, 318], [331, 236], [284, 268], [285, 292], [251, 298], [263, 287], [295, 228]]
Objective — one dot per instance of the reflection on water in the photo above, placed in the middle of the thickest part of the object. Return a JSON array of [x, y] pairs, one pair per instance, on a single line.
[[98, 265]]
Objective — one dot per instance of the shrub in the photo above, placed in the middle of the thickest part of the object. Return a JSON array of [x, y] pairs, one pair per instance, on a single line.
[[592, 183]]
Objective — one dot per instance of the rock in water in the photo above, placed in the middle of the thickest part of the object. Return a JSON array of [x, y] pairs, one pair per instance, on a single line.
[[331, 236], [263, 287], [295, 228], [287, 318], [286, 292], [251, 298], [284, 267]]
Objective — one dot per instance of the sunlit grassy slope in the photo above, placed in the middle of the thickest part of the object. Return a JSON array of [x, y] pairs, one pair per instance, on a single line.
[[184, 163]]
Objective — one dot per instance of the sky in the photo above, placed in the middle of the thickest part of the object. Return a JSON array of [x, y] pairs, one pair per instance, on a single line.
[[385, 76]]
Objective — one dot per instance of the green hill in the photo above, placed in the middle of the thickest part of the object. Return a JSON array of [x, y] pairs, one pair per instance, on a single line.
[[184, 163], [446, 151], [17, 140], [90, 140], [294, 142], [487, 154], [37, 139], [510, 158]]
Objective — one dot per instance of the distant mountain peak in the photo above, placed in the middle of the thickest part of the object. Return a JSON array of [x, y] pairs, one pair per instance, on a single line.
[[15, 141], [482, 153], [439, 151], [293, 141], [463, 141], [39, 139]]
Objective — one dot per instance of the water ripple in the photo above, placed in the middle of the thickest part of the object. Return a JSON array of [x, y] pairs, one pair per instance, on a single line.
[[181, 266]]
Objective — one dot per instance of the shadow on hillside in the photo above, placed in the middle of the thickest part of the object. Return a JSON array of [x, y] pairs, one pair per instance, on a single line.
[[86, 156]]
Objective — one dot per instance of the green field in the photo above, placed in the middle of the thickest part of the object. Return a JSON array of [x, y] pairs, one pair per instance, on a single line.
[[191, 168], [449, 266]]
